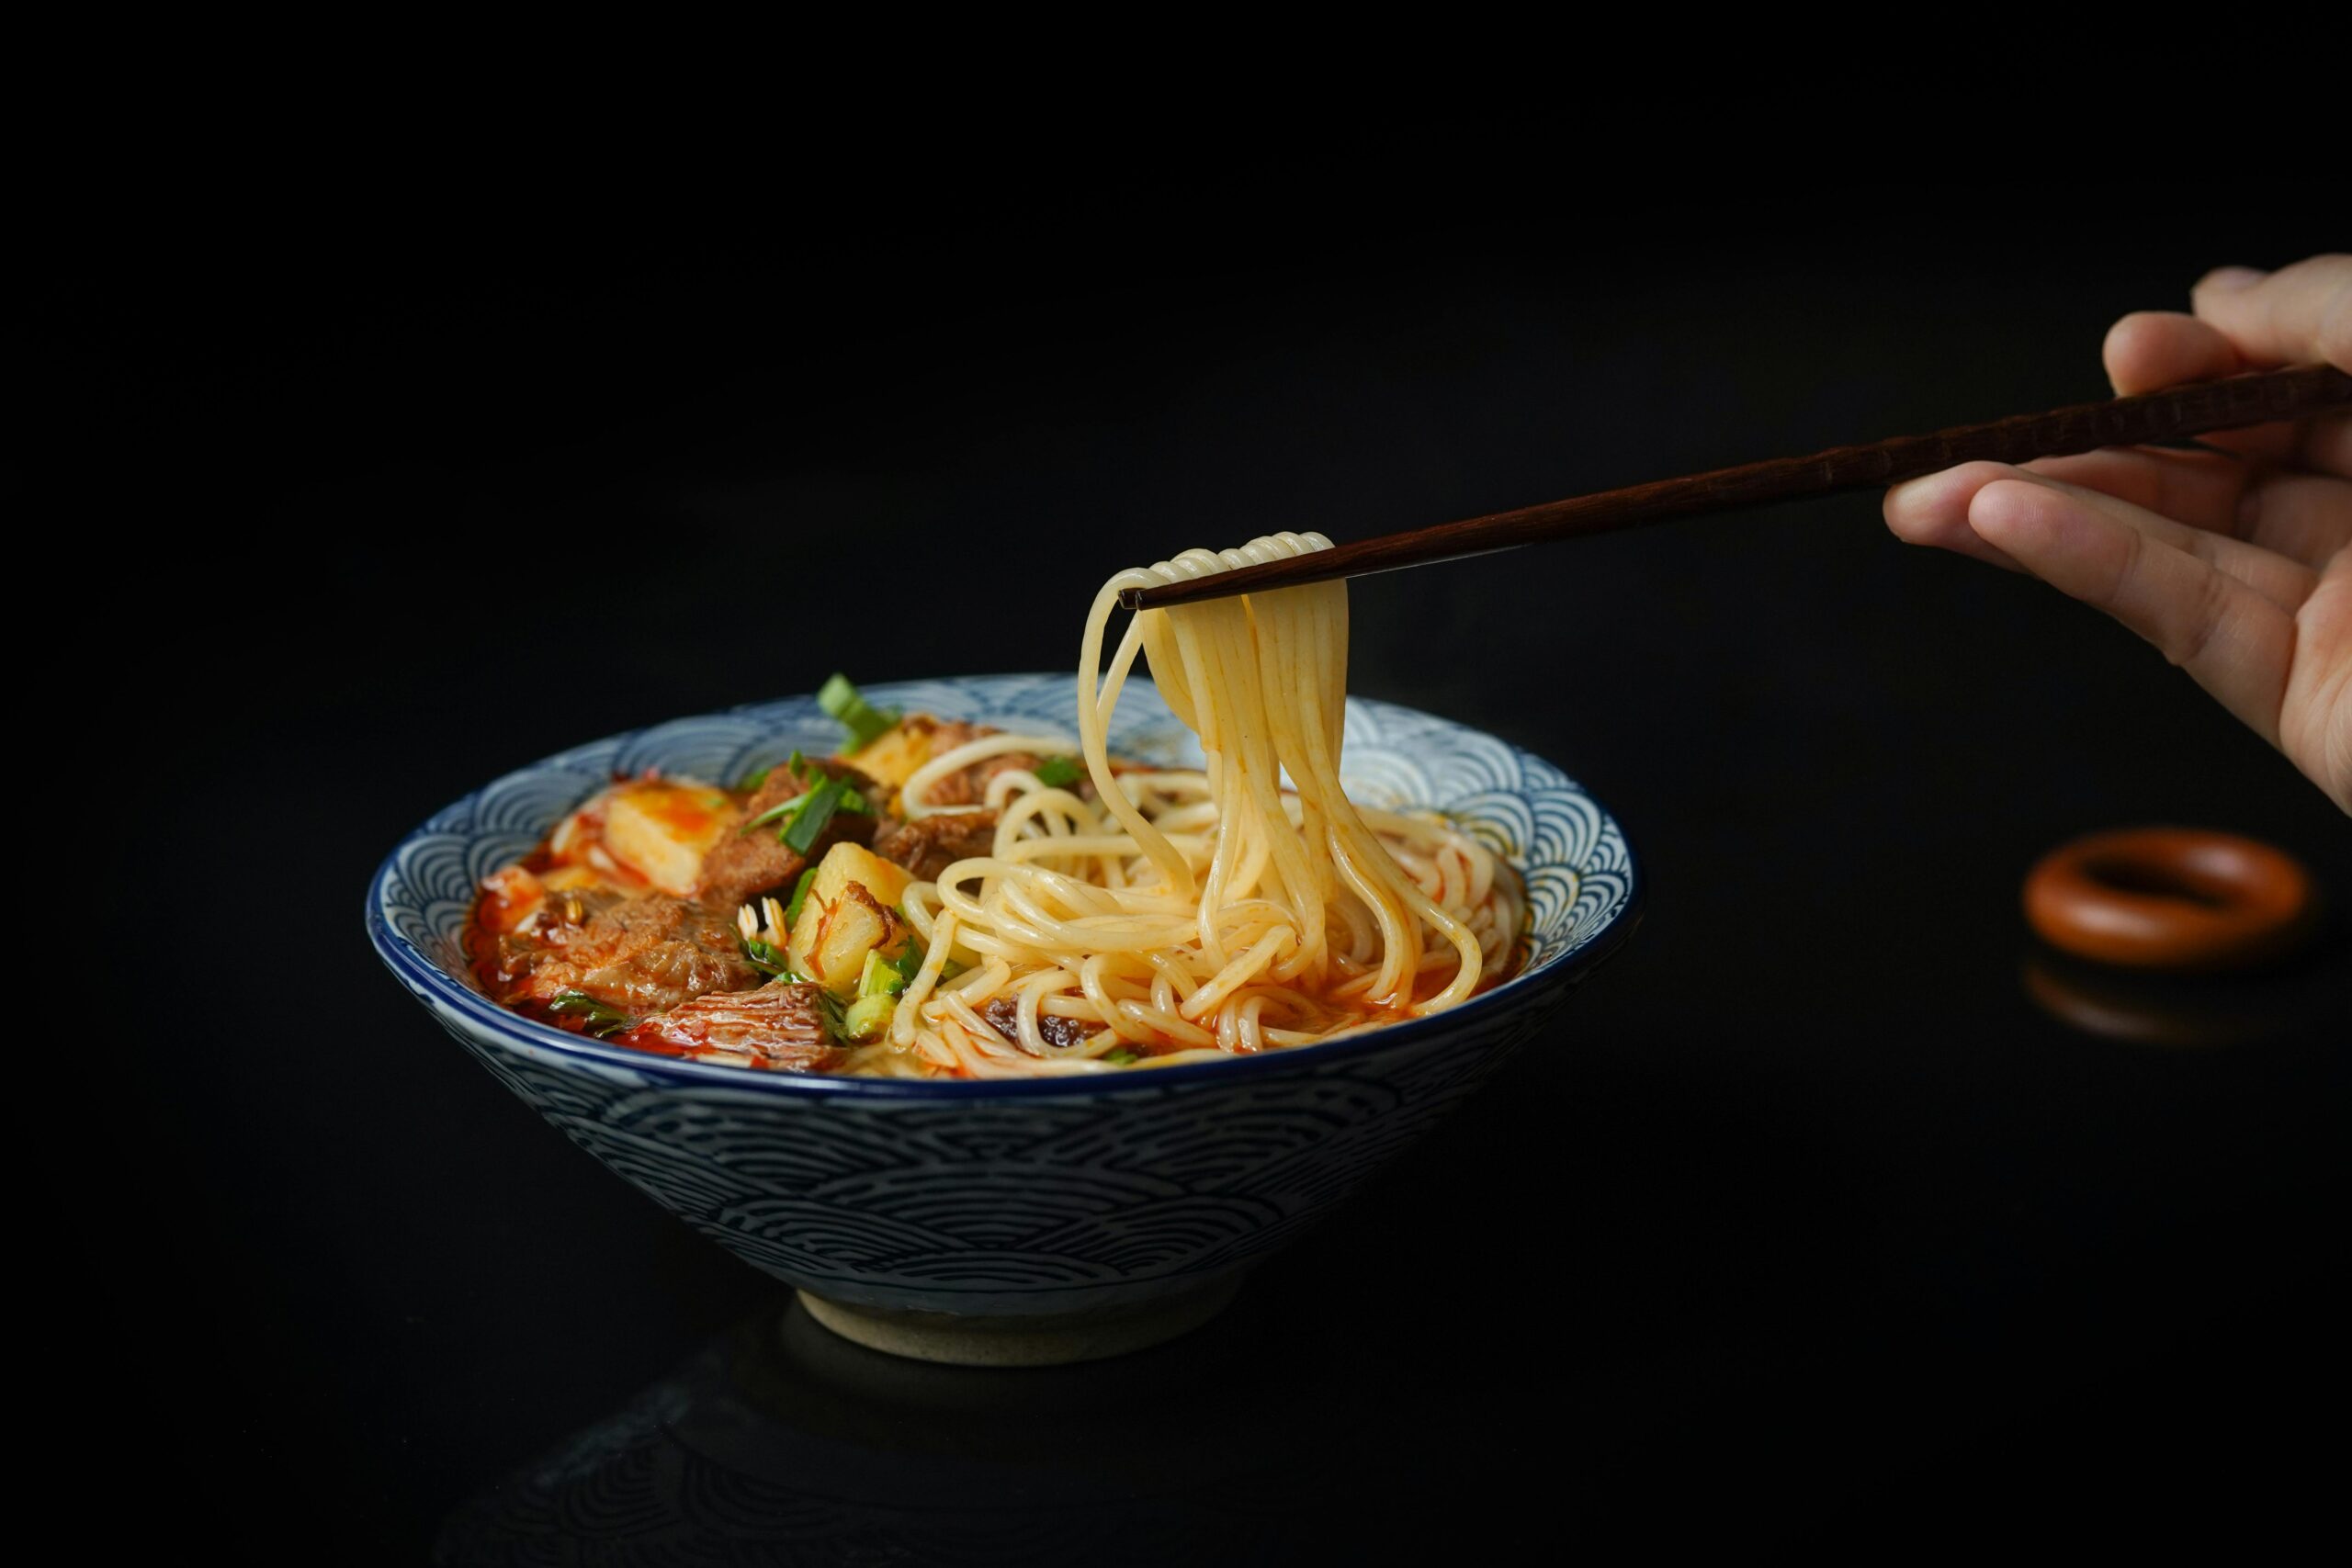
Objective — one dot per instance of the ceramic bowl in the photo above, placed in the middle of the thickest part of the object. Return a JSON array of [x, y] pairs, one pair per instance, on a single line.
[[1045, 1219]]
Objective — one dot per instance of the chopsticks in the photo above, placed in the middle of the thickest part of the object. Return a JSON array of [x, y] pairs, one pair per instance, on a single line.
[[2258, 398]]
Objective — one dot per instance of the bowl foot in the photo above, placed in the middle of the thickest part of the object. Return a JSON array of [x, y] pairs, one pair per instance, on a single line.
[[1042, 1341]]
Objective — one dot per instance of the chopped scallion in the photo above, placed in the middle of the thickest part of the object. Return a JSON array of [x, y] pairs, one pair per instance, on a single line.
[[1059, 773], [865, 721], [867, 1017], [799, 897], [600, 1018], [827, 1009], [817, 809], [1121, 1058], [773, 812]]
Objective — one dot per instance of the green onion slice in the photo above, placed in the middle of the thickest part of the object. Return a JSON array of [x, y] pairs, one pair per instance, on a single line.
[[867, 1017], [773, 812], [864, 720], [828, 1009], [817, 809], [602, 1018], [799, 897]]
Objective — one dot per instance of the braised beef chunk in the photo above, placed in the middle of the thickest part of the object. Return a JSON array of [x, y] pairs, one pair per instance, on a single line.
[[778, 1026], [744, 865], [783, 783], [929, 845], [834, 768], [970, 786], [741, 867], [1003, 1016], [638, 954]]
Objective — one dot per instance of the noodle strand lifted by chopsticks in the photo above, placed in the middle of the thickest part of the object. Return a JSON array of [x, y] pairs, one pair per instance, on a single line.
[[1187, 915]]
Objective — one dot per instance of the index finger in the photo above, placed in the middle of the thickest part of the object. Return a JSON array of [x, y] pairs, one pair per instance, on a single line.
[[2295, 316], [2149, 349]]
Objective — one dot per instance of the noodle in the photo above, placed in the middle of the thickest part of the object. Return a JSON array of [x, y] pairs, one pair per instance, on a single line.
[[1188, 915]]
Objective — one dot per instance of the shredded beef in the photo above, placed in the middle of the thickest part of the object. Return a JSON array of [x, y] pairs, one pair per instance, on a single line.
[[779, 1025], [1003, 1016], [639, 954], [969, 786]]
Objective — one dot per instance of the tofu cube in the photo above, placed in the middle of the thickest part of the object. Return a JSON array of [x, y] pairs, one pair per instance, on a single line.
[[662, 829], [891, 759]]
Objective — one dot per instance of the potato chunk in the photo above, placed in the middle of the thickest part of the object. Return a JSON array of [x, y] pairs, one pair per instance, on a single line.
[[660, 828], [848, 913]]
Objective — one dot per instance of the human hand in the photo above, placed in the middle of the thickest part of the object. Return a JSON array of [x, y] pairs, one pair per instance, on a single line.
[[2236, 562]]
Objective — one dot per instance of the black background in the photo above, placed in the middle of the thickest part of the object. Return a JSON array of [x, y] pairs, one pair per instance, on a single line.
[[1806, 1218]]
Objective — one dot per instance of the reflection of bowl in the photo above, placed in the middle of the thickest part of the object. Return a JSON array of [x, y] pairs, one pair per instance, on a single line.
[[778, 1442], [1031, 1221]]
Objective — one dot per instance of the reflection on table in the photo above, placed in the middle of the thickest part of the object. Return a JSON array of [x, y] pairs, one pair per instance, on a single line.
[[780, 1443]]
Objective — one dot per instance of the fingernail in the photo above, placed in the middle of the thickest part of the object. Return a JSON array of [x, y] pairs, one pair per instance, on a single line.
[[2230, 279]]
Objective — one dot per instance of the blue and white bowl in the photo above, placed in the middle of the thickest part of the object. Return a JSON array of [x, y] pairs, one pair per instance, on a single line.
[[1037, 1220]]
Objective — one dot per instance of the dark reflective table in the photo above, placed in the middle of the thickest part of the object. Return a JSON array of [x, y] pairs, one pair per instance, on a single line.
[[1833, 1209]]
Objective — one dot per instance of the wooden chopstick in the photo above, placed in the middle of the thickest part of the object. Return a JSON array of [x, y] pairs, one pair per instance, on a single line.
[[2259, 398]]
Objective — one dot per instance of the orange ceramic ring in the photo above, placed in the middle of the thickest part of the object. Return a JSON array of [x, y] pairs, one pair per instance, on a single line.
[[2170, 898]]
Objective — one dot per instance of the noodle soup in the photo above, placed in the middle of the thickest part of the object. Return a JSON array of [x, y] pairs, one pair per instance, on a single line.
[[941, 899]]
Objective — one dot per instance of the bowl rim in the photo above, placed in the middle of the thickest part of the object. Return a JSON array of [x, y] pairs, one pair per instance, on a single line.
[[437, 985]]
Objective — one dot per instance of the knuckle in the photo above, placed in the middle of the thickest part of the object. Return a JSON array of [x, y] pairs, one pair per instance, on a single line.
[[2334, 345], [2204, 620], [2126, 564]]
